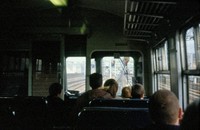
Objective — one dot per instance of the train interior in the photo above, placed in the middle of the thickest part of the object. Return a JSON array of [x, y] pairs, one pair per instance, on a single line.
[[47, 41]]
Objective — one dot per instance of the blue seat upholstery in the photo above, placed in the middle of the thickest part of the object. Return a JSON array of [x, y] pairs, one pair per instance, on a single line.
[[113, 118], [133, 103]]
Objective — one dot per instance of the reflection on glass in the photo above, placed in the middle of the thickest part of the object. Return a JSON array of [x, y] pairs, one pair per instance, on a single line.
[[194, 88], [190, 48], [164, 81], [76, 73], [38, 64]]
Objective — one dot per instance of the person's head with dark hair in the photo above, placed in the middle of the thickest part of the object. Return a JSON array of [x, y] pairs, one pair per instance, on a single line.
[[112, 87], [164, 108], [138, 91], [95, 80], [126, 92], [55, 89], [191, 117]]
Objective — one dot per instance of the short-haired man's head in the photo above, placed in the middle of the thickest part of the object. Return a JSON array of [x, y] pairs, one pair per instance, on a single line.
[[164, 107], [191, 116], [55, 89], [95, 80], [137, 91]]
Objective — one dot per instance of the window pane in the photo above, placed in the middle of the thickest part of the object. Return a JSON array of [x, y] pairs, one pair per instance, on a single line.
[[198, 47], [120, 69], [160, 58], [164, 81], [93, 66], [165, 57], [76, 73], [190, 48], [154, 61], [157, 60], [194, 88]]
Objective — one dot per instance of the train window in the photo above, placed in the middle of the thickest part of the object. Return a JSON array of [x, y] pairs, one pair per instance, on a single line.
[[162, 58], [163, 81], [93, 66], [198, 47], [121, 69], [191, 62], [194, 88], [161, 67], [190, 49], [76, 68]]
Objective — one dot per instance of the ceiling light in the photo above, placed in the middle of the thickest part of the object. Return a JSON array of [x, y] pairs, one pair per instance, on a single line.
[[59, 2]]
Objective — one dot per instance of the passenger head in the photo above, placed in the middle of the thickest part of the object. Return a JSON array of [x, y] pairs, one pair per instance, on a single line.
[[138, 91], [191, 117], [164, 108], [126, 92], [112, 87], [55, 89], [95, 80]]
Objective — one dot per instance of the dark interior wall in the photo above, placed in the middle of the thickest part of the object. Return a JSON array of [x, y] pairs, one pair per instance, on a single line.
[[106, 29]]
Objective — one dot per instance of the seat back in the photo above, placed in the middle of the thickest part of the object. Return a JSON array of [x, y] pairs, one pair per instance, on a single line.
[[7, 113], [25, 113], [30, 112], [57, 112], [113, 118], [133, 103]]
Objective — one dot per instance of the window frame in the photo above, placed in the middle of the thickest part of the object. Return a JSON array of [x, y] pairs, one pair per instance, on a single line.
[[186, 72], [159, 68]]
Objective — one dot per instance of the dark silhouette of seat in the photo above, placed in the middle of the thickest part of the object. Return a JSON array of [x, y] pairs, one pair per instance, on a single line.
[[113, 118], [7, 113], [30, 112], [57, 113], [132, 103], [26, 113]]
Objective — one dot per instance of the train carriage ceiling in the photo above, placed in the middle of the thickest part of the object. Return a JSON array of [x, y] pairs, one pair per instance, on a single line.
[[143, 20]]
